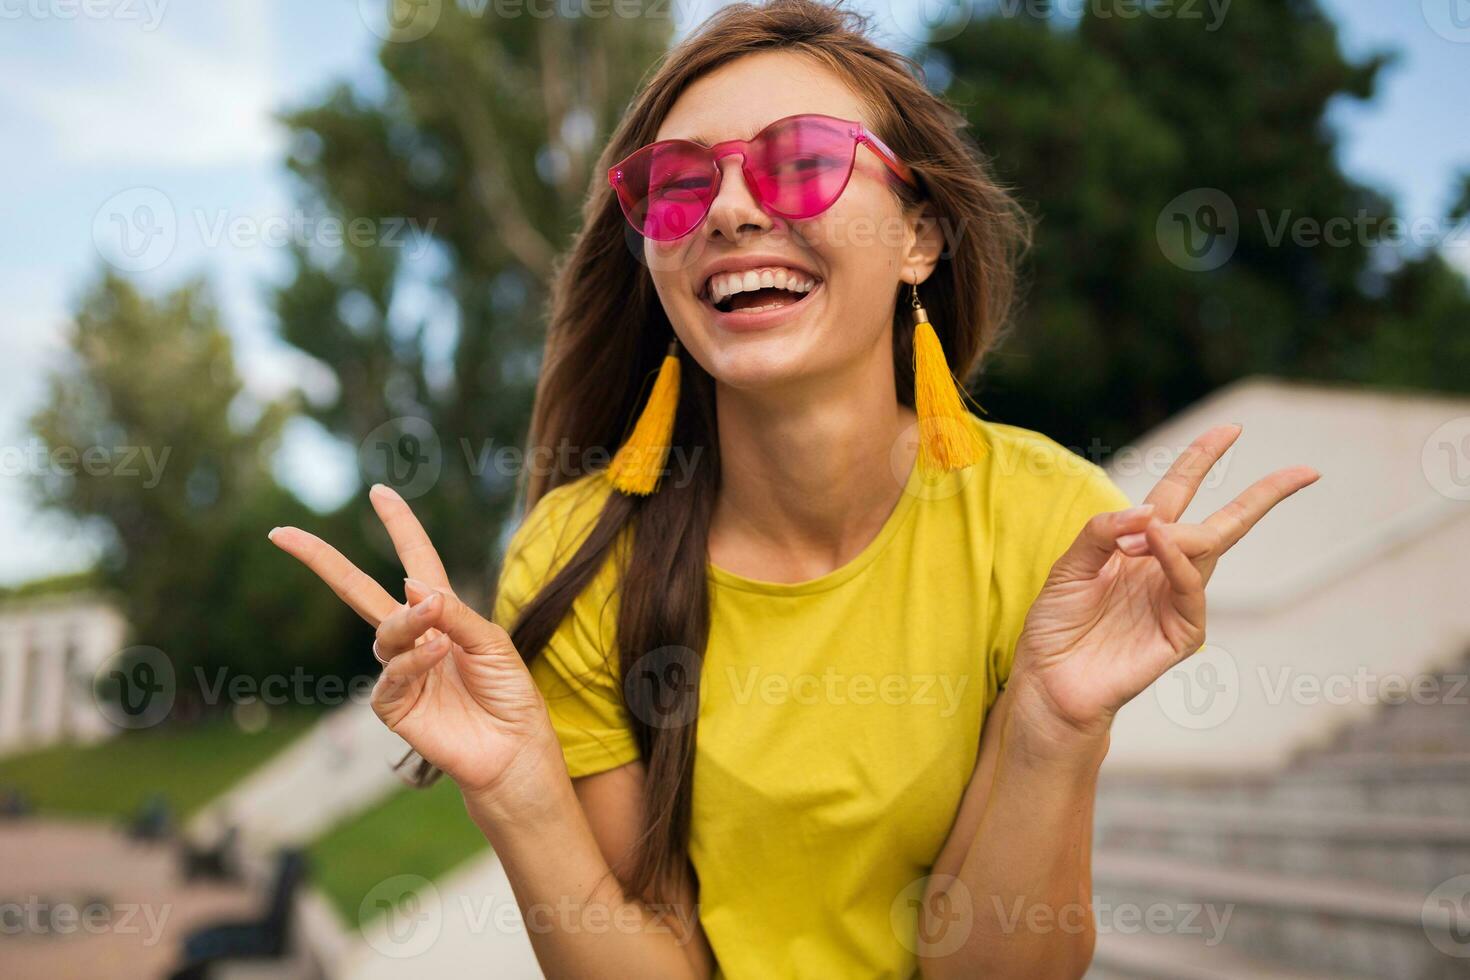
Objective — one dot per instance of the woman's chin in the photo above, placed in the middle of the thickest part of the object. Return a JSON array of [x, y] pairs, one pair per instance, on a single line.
[[756, 365]]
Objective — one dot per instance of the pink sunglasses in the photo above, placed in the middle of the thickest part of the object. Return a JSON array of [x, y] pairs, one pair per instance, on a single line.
[[796, 168]]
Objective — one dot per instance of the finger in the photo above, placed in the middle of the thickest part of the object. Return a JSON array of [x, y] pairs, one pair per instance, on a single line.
[[403, 630], [473, 632], [420, 558], [1183, 577], [1241, 514], [417, 591], [1097, 541], [353, 586], [1172, 494], [405, 674], [1195, 540]]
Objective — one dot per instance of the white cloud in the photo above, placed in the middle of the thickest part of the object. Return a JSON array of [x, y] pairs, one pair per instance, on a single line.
[[165, 97]]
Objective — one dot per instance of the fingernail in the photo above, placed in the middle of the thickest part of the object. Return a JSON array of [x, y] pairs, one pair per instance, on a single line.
[[414, 585], [437, 643], [273, 532], [422, 609], [1133, 512], [1131, 541], [382, 489]]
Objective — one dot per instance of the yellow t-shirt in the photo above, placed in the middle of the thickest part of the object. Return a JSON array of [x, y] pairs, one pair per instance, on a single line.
[[839, 718]]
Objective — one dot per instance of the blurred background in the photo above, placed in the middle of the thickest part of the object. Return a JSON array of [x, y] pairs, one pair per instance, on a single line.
[[258, 255]]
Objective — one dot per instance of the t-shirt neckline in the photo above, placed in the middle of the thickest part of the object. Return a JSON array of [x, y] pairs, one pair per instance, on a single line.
[[843, 573]]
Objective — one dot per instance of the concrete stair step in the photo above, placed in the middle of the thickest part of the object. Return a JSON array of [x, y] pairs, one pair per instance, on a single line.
[[1442, 731], [1410, 852], [1419, 785], [1312, 924], [1141, 956]]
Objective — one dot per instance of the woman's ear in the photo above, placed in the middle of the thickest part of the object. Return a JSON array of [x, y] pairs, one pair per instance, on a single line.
[[926, 243]]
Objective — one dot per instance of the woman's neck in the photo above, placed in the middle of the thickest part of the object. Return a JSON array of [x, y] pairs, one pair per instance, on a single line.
[[809, 474]]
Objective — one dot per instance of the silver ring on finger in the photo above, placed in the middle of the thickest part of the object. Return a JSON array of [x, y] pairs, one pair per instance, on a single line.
[[378, 656]]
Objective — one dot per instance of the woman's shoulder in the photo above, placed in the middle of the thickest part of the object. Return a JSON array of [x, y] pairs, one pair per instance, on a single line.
[[561, 519], [547, 538], [1035, 467]]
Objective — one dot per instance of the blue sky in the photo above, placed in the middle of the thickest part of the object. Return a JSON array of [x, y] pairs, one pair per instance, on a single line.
[[176, 96]]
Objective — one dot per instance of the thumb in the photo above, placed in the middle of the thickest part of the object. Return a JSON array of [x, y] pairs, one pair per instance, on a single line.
[[1097, 541], [474, 633]]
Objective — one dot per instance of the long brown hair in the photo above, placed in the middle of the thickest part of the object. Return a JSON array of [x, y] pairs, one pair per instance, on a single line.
[[608, 332]]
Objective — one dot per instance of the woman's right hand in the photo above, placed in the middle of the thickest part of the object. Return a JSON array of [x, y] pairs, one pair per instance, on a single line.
[[454, 688]]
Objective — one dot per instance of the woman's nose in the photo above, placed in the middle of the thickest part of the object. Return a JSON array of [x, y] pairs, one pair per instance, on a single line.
[[734, 209]]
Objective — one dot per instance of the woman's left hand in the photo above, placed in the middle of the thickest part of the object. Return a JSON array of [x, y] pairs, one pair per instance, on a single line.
[[1126, 602]]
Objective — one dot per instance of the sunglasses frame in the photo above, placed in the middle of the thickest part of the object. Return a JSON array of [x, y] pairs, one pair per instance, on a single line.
[[859, 133]]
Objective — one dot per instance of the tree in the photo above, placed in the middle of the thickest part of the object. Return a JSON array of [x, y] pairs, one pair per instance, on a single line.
[[148, 436], [1101, 125], [483, 140]]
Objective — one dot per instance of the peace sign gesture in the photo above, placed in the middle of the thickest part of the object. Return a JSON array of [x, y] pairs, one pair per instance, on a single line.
[[1126, 602], [453, 685]]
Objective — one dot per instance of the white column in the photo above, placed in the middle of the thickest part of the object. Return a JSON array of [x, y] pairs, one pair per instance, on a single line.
[[48, 661], [97, 634], [12, 682]]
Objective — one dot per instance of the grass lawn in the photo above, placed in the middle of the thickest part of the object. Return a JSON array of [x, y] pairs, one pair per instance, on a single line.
[[187, 765], [420, 832]]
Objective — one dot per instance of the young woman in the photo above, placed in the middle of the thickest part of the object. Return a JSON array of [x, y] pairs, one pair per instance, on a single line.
[[815, 679]]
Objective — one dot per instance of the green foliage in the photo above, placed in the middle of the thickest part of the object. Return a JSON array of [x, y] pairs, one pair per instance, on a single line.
[[64, 584], [1102, 124], [179, 485], [188, 765], [421, 832], [483, 142]]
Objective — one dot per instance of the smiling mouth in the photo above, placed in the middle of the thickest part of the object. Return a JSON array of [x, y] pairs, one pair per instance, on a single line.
[[759, 301]]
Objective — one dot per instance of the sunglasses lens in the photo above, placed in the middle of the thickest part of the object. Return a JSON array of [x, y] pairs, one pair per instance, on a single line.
[[665, 189], [797, 168], [801, 166]]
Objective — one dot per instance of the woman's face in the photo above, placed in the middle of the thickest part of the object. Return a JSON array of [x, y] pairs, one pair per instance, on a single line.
[[855, 253]]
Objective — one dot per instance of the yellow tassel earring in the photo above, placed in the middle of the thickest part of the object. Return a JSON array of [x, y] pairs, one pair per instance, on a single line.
[[947, 437], [640, 462]]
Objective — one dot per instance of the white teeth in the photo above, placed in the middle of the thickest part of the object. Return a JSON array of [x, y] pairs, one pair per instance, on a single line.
[[723, 285]]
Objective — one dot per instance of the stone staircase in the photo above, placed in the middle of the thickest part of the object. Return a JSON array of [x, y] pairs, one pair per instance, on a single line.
[[1351, 862]]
